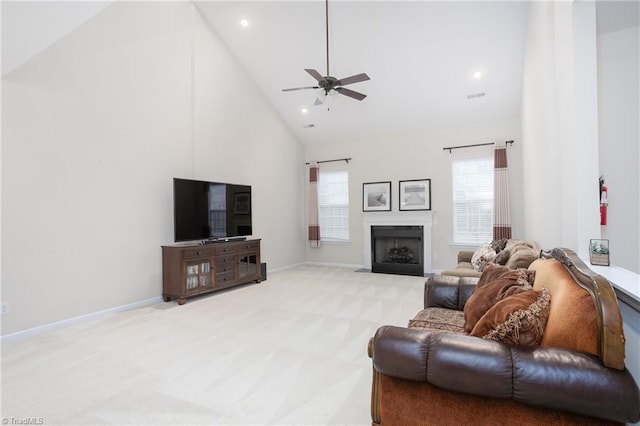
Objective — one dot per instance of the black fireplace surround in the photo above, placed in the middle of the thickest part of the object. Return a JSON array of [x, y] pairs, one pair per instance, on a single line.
[[397, 250]]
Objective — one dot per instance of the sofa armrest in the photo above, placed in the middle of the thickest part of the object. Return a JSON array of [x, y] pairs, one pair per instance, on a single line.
[[465, 255], [446, 291], [543, 376]]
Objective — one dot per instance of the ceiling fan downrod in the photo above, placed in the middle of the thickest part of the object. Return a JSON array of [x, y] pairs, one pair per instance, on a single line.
[[326, 16]]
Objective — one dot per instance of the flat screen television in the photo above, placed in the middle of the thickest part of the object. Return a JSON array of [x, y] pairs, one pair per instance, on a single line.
[[210, 210]]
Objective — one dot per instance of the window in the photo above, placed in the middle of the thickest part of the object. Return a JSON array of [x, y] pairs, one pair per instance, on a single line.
[[333, 205], [472, 200]]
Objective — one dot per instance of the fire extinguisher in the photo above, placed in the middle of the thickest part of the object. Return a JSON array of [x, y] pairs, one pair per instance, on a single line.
[[604, 201]]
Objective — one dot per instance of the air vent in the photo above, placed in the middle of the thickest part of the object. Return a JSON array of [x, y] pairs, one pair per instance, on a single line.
[[308, 126], [476, 95]]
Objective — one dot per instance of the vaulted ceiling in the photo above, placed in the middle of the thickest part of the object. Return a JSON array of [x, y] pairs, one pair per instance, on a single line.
[[420, 56]]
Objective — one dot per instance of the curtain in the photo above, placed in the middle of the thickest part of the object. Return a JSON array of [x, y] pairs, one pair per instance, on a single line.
[[501, 213], [314, 220]]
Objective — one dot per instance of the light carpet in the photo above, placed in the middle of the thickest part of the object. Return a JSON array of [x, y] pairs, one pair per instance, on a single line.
[[289, 351]]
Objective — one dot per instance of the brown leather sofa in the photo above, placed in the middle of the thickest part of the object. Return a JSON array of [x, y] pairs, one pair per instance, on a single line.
[[576, 375]]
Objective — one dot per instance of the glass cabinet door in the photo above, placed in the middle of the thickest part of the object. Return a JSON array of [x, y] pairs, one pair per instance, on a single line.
[[198, 275], [247, 265], [205, 274]]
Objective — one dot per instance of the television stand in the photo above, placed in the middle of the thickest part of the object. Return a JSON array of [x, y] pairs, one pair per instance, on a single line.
[[192, 270]]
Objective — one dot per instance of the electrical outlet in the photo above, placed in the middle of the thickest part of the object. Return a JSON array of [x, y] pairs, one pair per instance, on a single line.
[[5, 308]]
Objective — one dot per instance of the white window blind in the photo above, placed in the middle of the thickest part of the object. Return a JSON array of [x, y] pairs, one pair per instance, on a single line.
[[333, 205], [472, 200]]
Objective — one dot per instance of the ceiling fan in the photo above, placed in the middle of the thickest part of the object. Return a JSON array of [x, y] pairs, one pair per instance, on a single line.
[[329, 83]]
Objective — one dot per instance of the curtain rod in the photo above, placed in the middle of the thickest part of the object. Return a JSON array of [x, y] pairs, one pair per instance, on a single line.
[[331, 161], [450, 148]]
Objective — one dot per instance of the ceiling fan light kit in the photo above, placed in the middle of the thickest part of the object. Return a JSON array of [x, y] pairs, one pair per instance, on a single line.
[[328, 83]]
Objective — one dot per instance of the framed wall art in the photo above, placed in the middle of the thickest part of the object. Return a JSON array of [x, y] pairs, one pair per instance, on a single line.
[[599, 252], [376, 196], [415, 194]]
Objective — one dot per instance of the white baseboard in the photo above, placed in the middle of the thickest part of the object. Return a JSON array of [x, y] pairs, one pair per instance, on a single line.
[[282, 268], [338, 265], [82, 318]]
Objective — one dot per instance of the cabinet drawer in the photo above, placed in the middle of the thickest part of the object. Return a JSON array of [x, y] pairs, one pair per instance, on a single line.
[[226, 277], [225, 268], [221, 261], [197, 253], [225, 249], [249, 246]]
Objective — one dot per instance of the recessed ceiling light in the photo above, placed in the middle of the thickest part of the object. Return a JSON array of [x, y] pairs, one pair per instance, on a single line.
[[477, 74], [244, 23], [304, 110]]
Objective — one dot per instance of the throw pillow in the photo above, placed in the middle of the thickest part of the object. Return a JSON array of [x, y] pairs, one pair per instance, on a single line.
[[522, 258], [495, 272], [519, 319], [495, 283], [502, 257], [482, 256], [499, 245]]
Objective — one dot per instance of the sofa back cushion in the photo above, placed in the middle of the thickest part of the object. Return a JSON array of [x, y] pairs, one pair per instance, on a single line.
[[572, 322]]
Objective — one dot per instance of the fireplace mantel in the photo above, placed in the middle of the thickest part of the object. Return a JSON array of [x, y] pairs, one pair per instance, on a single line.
[[405, 218]]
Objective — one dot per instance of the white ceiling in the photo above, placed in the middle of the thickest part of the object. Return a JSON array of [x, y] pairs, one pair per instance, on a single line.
[[420, 57]]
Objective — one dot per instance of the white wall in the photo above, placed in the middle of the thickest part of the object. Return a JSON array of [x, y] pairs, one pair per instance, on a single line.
[[30, 27], [559, 125], [417, 155], [619, 135], [94, 129]]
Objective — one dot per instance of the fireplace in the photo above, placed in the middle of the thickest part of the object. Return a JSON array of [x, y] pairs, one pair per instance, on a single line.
[[397, 250], [406, 218]]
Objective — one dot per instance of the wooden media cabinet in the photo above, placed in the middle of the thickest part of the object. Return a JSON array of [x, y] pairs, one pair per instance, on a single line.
[[191, 270]]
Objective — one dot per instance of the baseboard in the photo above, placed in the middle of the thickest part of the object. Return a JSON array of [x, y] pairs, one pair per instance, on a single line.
[[283, 268], [337, 265], [82, 318]]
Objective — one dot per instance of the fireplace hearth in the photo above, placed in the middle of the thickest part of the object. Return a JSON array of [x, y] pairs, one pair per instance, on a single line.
[[397, 250]]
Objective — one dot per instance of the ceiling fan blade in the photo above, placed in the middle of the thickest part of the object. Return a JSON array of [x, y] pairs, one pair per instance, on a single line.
[[300, 88], [350, 93], [315, 74], [353, 79]]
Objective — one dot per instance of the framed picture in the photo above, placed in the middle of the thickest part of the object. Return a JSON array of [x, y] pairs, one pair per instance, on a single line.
[[242, 203], [415, 194], [376, 196], [599, 252]]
